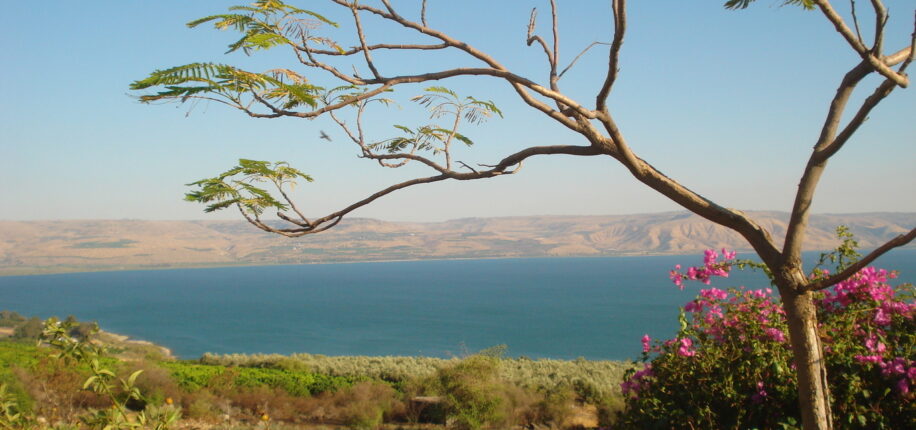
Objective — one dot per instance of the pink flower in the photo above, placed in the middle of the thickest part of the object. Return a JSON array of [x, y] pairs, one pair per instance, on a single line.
[[874, 345], [684, 350], [760, 395], [638, 381], [868, 358], [714, 294], [775, 334], [645, 343], [897, 366], [881, 317]]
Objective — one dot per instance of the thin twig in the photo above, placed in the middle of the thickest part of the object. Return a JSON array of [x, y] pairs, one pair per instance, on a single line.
[[423, 13], [556, 47], [580, 55], [362, 42], [465, 165], [855, 20], [535, 38]]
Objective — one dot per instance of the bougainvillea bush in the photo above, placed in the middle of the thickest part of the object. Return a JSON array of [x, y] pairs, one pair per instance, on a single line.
[[730, 364]]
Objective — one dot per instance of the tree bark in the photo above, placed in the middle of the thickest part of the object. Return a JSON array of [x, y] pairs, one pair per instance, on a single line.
[[811, 370]]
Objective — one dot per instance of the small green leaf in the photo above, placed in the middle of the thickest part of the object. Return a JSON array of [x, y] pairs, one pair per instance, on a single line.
[[91, 380], [133, 377], [441, 90]]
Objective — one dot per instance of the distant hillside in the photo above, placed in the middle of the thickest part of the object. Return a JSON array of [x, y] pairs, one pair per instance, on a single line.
[[65, 246]]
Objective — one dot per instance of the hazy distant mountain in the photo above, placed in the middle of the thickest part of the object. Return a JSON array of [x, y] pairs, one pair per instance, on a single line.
[[62, 246]]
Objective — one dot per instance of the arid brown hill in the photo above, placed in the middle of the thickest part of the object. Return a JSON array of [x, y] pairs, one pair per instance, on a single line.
[[64, 246]]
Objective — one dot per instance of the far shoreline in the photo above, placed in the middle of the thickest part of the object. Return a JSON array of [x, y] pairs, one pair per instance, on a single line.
[[50, 270], [43, 271]]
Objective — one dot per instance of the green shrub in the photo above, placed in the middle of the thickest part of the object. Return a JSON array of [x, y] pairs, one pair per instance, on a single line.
[[29, 330], [217, 378], [17, 355], [592, 379], [366, 404], [471, 392], [10, 319]]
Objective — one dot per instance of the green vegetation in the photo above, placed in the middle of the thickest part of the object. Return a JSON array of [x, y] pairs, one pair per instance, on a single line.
[[591, 380], [15, 355], [193, 377], [10, 319], [735, 344], [72, 378]]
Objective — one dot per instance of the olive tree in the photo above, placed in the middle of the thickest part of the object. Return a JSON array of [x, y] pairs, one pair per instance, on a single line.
[[280, 93]]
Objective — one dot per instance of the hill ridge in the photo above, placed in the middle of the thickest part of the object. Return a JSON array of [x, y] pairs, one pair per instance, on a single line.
[[28, 247]]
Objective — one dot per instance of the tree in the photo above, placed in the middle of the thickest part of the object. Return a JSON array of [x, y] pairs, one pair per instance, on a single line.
[[283, 92], [29, 330]]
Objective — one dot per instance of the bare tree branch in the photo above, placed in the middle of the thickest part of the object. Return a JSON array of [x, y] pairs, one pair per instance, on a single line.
[[535, 38], [871, 57], [827, 145], [829, 281], [556, 46], [362, 43], [423, 13], [619, 8], [378, 46], [880, 23], [318, 225]]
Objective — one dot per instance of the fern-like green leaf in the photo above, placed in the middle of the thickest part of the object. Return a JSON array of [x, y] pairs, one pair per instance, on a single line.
[[235, 187], [743, 4], [225, 21], [442, 90], [464, 139]]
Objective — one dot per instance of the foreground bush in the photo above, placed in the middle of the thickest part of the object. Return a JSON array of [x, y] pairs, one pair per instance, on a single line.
[[731, 366]]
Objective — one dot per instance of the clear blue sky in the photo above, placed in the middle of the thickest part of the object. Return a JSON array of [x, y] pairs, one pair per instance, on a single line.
[[726, 102]]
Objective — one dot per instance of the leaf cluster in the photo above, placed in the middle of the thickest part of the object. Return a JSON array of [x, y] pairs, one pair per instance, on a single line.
[[743, 4], [265, 24], [842, 256], [102, 380], [201, 80], [236, 186], [441, 102]]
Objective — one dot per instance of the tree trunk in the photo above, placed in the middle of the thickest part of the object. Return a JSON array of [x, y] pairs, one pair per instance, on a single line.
[[813, 391]]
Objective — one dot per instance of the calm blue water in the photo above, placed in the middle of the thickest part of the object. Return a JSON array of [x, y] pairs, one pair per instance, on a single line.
[[596, 308]]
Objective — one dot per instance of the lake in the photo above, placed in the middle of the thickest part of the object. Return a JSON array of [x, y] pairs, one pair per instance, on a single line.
[[596, 308]]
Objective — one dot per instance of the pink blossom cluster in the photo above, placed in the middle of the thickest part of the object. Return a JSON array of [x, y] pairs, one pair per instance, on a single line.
[[865, 300], [903, 369], [638, 381], [868, 288], [869, 285], [711, 267], [686, 347], [709, 314]]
